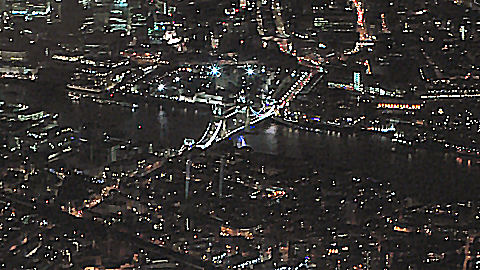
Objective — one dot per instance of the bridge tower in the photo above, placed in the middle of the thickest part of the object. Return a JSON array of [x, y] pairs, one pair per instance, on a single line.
[[224, 130], [217, 110], [247, 119]]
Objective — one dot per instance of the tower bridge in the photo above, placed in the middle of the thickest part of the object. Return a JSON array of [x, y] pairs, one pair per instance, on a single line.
[[233, 120], [240, 117], [228, 121]]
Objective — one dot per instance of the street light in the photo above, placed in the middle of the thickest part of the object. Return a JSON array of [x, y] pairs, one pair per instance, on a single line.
[[215, 71], [161, 87], [250, 71]]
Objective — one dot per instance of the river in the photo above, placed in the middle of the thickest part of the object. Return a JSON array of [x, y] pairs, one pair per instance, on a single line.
[[437, 174]]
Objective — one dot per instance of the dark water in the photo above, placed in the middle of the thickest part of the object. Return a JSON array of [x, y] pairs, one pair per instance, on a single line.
[[429, 174], [163, 123], [437, 175]]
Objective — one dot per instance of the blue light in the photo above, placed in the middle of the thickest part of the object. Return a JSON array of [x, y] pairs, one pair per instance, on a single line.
[[250, 72], [241, 141], [100, 181], [19, 12], [215, 71]]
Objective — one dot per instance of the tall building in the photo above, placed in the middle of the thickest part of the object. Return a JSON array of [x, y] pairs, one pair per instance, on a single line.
[[357, 84], [162, 7], [220, 177], [463, 32], [187, 176]]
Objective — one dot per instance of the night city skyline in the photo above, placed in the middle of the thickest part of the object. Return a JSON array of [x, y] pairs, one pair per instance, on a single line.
[[240, 134]]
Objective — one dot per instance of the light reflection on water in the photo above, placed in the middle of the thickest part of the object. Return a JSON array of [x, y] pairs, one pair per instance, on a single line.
[[365, 154], [167, 126]]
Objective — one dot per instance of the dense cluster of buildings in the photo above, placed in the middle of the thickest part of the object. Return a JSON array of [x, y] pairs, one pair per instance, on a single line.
[[80, 194]]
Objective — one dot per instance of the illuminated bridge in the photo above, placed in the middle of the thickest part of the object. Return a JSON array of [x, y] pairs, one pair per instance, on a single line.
[[233, 120], [226, 123], [240, 117]]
